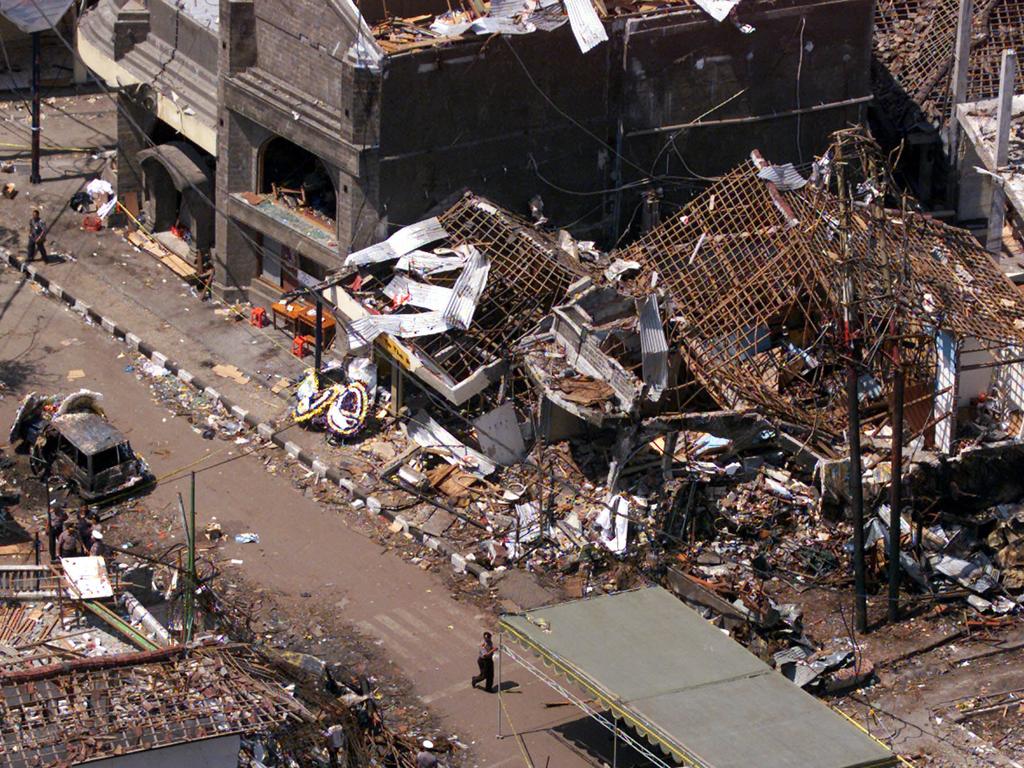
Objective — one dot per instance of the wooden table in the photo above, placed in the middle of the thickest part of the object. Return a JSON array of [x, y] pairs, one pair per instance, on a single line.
[[300, 319]]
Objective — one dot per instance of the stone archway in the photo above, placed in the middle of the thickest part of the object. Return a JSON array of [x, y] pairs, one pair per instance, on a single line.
[[178, 190]]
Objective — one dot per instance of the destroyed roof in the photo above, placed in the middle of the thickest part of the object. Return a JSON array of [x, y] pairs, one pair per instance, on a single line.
[[587, 18], [523, 274], [914, 44], [755, 276], [686, 687], [89, 432], [93, 708]]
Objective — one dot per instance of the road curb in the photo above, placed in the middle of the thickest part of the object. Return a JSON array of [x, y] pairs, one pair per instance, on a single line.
[[460, 563]]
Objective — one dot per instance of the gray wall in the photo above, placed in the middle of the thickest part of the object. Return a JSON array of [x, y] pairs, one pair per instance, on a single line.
[[219, 752], [468, 116]]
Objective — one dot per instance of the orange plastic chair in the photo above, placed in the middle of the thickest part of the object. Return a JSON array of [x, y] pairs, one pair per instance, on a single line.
[[300, 345], [258, 317]]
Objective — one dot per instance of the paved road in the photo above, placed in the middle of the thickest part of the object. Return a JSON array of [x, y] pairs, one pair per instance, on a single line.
[[305, 547]]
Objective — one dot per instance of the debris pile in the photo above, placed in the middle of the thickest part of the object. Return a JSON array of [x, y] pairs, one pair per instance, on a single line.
[[604, 418], [207, 415], [522, 17]]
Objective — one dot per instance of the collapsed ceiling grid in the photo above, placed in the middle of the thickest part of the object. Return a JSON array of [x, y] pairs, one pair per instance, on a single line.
[[915, 41]]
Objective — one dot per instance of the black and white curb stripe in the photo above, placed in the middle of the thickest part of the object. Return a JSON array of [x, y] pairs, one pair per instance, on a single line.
[[459, 562]]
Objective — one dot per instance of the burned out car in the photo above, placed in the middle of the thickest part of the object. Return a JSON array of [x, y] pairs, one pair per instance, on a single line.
[[70, 438]]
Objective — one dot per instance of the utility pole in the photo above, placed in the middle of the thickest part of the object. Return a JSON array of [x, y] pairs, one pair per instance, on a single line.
[[318, 348], [1004, 117], [37, 56], [852, 395], [189, 595], [896, 486]]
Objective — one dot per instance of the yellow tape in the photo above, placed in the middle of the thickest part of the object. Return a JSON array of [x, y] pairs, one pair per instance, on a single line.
[[899, 757]]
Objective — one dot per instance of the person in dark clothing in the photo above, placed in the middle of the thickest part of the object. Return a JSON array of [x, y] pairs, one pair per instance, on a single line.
[[36, 236], [84, 526], [57, 519], [485, 661]]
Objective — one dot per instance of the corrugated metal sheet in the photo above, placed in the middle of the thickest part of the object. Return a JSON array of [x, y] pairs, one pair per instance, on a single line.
[[423, 430], [785, 177], [405, 240], [402, 290], [585, 23], [363, 331], [717, 9], [653, 347], [424, 263], [468, 288]]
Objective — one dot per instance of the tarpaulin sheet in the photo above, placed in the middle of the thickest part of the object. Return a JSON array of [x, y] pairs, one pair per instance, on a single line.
[[689, 688], [34, 15]]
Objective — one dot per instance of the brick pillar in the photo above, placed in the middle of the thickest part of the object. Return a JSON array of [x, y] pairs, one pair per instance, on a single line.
[[133, 126], [235, 260], [360, 219]]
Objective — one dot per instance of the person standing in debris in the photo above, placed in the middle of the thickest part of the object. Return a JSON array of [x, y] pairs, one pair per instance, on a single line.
[[58, 517], [84, 526], [425, 758], [485, 661], [36, 236], [97, 548], [69, 544]]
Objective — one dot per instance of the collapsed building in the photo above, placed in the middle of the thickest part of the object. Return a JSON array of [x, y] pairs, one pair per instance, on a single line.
[[309, 168], [915, 79], [736, 301], [681, 404]]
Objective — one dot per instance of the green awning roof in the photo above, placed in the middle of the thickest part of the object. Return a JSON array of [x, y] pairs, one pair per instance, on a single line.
[[688, 687]]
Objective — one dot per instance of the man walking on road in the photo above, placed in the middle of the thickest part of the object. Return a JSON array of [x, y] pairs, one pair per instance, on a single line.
[[485, 660], [36, 236]]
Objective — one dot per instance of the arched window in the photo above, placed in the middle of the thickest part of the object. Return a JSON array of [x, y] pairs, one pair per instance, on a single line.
[[299, 173]]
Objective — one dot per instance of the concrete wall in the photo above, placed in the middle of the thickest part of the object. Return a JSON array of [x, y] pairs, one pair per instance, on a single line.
[[219, 752], [192, 40], [303, 43], [509, 126]]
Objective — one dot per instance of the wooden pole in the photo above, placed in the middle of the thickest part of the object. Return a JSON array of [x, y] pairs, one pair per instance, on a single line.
[[37, 55], [852, 399], [498, 652], [318, 352], [1004, 117], [192, 581]]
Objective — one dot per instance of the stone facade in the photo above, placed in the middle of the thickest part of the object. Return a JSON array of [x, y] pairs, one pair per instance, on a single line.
[[671, 100]]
